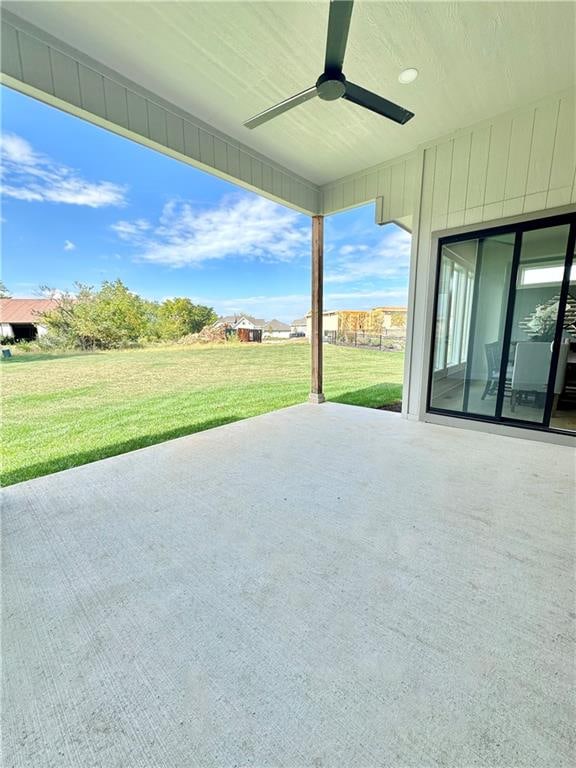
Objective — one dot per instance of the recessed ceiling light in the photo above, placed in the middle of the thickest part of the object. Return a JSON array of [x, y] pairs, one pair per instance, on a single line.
[[407, 76]]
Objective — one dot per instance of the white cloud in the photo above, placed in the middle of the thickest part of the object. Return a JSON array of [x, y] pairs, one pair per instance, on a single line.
[[347, 249], [240, 226], [130, 230], [361, 296], [387, 259], [52, 293], [69, 245], [33, 177], [285, 308], [291, 306], [17, 150], [26, 290]]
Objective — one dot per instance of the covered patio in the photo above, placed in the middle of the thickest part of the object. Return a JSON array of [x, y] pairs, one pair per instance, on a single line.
[[484, 136], [364, 590], [324, 585]]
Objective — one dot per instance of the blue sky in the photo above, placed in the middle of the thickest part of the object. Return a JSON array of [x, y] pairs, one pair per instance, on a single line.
[[82, 204]]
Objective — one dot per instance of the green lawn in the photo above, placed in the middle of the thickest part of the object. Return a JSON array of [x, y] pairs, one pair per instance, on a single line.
[[67, 410]]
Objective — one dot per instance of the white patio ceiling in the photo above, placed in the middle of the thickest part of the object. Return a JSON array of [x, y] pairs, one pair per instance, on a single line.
[[224, 61]]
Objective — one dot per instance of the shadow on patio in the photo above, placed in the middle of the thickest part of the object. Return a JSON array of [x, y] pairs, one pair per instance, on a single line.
[[370, 397], [78, 459]]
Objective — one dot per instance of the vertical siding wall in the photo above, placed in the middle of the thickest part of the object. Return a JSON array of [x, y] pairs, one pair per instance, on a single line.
[[37, 64], [517, 163], [393, 184]]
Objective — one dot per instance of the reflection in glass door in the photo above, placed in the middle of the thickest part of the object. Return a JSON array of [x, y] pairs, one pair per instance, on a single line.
[[534, 315], [499, 323], [563, 409]]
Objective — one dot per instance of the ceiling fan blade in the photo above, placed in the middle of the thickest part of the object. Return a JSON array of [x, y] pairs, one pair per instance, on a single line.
[[375, 103], [283, 106], [338, 26]]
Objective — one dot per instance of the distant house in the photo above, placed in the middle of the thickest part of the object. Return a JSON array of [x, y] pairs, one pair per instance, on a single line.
[[21, 319], [330, 322], [275, 329], [241, 321], [245, 327], [272, 329], [393, 317], [298, 326], [377, 320]]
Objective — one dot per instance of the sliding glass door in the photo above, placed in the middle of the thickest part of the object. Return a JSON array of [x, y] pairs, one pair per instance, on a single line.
[[499, 322], [471, 312]]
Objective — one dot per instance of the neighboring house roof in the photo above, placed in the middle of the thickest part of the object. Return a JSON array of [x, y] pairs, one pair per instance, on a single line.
[[300, 321], [258, 322], [233, 320], [24, 310], [277, 325], [392, 309]]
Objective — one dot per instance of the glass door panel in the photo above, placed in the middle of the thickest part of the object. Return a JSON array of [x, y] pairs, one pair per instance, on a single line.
[[535, 305], [564, 402], [470, 319], [487, 330]]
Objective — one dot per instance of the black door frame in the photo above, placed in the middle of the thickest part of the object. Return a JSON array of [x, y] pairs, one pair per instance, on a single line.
[[507, 336], [518, 230], [564, 290]]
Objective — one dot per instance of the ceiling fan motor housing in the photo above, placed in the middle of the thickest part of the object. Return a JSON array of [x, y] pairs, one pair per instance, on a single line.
[[331, 86]]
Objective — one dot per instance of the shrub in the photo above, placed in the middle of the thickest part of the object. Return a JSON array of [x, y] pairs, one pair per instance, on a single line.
[[114, 317]]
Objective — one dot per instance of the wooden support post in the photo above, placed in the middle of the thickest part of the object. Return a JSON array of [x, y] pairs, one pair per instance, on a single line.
[[316, 394]]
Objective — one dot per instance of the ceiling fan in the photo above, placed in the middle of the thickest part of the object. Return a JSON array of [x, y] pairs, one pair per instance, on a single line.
[[332, 84]]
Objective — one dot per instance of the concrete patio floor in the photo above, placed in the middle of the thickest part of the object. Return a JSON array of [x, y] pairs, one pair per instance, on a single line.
[[320, 586]]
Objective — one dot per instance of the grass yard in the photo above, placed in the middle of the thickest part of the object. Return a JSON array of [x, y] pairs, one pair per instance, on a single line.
[[60, 411]]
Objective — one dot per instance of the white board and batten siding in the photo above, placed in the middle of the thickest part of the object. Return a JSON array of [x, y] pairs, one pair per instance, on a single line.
[[392, 184], [516, 164], [39, 65]]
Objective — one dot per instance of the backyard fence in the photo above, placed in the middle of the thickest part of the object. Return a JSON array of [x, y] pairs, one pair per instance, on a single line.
[[389, 339]]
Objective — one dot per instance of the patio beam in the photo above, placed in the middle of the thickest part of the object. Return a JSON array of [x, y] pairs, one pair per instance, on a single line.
[[316, 394], [46, 68]]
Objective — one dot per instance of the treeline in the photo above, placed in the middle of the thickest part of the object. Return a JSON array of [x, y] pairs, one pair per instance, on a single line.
[[112, 316]]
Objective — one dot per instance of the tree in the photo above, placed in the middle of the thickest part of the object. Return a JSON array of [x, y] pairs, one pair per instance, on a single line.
[[180, 316], [202, 316], [61, 319], [114, 316], [110, 317], [4, 292]]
